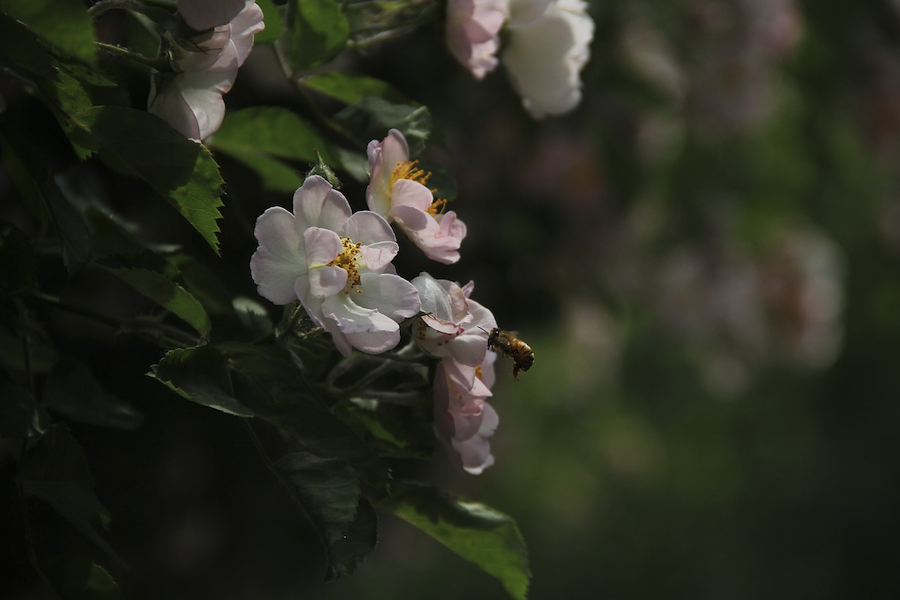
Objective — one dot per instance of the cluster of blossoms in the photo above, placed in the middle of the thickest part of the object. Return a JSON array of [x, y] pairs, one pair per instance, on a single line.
[[204, 66], [548, 44], [338, 265]]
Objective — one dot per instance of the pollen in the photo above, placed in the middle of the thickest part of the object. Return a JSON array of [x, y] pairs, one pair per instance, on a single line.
[[346, 259], [437, 207], [409, 170]]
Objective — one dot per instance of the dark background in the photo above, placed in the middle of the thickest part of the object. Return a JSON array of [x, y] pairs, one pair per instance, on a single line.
[[705, 258]]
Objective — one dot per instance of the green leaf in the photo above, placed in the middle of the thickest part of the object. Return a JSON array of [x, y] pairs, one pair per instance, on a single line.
[[154, 277], [29, 168], [371, 118], [203, 284], [18, 261], [350, 87], [357, 542], [181, 171], [317, 428], [64, 24], [260, 137], [20, 415], [396, 434], [54, 468], [75, 577], [273, 18], [275, 175], [317, 32], [269, 365], [476, 532], [329, 494], [200, 375], [73, 392]]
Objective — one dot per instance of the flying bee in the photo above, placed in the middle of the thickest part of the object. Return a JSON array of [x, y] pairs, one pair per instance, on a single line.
[[507, 344]]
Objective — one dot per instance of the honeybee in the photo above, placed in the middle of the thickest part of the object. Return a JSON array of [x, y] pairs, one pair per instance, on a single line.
[[507, 344]]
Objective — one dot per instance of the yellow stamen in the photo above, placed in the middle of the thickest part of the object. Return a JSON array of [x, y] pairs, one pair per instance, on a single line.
[[346, 259], [408, 170], [437, 207]]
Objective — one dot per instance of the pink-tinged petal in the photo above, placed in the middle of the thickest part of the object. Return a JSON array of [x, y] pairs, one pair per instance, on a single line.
[[205, 102], [365, 329], [321, 246], [377, 257], [340, 340], [482, 320], [435, 298], [488, 374], [414, 221], [444, 327], [475, 452], [473, 28], [391, 295], [245, 25], [469, 349], [383, 159], [451, 226], [407, 192], [326, 281], [210, 52], [201, 15], [317, 204], [279, 260], [367, 227], [167, 103]]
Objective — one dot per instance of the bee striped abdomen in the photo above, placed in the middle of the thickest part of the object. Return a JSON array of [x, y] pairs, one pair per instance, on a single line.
[[507, 344]]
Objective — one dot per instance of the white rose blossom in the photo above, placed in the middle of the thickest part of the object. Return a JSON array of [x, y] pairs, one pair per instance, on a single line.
[[338, 265], [549, 45], [190, 97]]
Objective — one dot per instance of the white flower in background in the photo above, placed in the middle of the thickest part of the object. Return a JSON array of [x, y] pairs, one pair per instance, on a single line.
[[454, 326], [464, 420], [337, 264], [546, 53], [473, 32], [190, 97], [397, 192]]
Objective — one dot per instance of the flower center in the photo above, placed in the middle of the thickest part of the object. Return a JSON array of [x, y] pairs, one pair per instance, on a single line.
[[346, 259], [408, 170]]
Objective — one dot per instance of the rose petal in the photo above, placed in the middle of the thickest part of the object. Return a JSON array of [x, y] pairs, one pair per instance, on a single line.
[[317, 204], [279, 260], [391, 295]]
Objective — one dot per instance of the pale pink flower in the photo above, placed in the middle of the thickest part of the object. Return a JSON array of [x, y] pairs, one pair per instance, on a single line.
[[454, 326], [464, 420], [545, 54], [337, 264], [190, 97], [397, 192], [473, 28]]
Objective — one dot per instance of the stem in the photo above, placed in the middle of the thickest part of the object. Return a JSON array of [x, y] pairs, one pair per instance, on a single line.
[[159, 63]]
